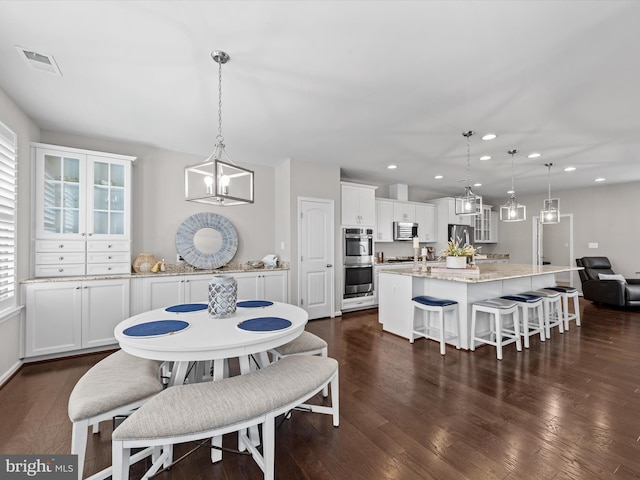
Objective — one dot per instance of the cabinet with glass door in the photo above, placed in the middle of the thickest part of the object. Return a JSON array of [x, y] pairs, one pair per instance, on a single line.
[[83, 203]]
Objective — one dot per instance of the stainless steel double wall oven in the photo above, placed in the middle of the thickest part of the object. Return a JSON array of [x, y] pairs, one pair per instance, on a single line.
[[358, 262]]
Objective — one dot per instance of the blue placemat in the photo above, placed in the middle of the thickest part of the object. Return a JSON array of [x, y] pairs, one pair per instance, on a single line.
[[186, 307], [264, 324], [254, 303], [155, 328]]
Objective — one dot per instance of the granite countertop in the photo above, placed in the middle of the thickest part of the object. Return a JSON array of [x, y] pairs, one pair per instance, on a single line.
[[489, 272], [172, 270], [441, 259]]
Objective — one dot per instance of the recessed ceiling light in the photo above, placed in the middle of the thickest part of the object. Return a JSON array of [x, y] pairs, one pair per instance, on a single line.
[[510, 192], [477, 184], [391, 167], [489, 136], [534, 155], [438, 177], [569, 169], [600, 179], [485, 157]]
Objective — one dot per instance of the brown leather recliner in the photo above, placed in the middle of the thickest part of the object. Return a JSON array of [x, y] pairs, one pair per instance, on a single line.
[[610, 292]]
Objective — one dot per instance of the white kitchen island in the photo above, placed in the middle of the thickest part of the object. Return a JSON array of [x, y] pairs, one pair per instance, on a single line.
[[397, 287]]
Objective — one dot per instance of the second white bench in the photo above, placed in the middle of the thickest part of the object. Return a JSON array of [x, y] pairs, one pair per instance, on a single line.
[[186, 413]]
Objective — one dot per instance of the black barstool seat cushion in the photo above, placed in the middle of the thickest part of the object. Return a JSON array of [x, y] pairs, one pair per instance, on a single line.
[[522, 297], [433, 301], [560, 289]]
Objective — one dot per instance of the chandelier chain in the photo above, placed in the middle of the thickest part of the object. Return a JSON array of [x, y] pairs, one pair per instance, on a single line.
[[220, 138]]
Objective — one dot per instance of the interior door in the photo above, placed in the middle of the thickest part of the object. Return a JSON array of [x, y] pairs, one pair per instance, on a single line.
[[316, 260]]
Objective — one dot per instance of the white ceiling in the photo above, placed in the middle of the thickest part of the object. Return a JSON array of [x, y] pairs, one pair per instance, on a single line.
[[359, 84]]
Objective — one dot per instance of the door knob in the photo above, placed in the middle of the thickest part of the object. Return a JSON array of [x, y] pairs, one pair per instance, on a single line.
[[329, 265]]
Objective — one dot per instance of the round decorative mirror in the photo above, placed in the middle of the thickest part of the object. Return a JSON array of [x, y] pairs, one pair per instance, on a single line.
[[206, 240]]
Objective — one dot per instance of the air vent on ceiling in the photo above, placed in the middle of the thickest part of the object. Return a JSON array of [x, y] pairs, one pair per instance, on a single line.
[[39, 61]]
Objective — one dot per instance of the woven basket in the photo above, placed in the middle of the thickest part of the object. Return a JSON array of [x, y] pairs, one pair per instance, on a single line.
[[143, 263]]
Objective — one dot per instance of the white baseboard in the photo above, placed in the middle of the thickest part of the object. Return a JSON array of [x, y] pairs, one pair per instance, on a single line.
[[6, 375]]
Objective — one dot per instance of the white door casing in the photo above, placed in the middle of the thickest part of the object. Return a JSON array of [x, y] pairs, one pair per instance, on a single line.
[[316, 264], [566, 238]]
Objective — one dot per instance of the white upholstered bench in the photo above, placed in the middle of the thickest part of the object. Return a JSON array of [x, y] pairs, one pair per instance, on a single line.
[[186, 413], [116, 385]]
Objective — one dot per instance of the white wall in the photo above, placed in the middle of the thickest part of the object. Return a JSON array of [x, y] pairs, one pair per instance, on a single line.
[[10, 326], [315, 181], [602, 214], [159, 206]]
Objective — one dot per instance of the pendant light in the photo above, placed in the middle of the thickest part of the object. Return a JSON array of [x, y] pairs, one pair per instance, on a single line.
[[512, 211], [551, 210], [217, 181], [468, 203]]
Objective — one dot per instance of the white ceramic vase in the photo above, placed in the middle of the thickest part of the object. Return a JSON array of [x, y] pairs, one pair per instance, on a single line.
[[456, 262]]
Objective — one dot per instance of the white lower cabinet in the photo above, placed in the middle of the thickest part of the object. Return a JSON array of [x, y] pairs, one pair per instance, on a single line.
[[264, 285], [150, 292], [67, 316]]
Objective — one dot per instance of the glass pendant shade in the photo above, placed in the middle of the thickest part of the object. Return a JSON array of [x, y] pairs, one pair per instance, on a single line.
[[551, 211], [215, 181], [512, 211], [468, 203]]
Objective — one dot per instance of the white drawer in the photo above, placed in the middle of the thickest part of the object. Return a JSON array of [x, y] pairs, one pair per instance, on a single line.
[[59, 270], [59, 258], [108, 269], [60, 246], [108, 257], [108, 246]]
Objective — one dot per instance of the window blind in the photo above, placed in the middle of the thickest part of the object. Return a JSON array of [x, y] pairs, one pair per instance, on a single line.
[[8, 155]]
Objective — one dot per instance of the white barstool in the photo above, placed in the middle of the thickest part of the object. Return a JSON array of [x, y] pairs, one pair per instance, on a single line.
[[423, 328], [552, 302], [496, 308], [567, 293], [527, 303]]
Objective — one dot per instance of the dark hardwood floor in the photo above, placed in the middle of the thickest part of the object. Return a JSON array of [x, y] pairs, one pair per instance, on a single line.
[[568, 408]]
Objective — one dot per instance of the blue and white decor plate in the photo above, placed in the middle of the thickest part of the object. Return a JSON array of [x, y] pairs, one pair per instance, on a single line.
[[264, 324], [157, 328], [254, 303], [190, 253], [186, 307]]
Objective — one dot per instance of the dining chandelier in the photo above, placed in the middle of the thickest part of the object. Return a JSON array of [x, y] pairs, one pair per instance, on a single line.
[[468, 203], [512, 211], [550, 212], [218, 180]]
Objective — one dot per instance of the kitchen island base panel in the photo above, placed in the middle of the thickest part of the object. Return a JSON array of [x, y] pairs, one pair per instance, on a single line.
[[395, 308]]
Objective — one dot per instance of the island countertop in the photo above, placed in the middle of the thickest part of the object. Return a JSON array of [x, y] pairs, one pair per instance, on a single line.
[[489, 272]]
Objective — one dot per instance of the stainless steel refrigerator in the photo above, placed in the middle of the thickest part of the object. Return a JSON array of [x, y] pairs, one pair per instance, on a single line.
[[463, 234]]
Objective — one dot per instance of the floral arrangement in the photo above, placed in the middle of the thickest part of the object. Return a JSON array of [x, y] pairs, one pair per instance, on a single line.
[[457, 249]]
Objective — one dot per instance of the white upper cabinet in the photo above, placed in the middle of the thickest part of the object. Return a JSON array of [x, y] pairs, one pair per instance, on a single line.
[[82, 197], [404, 212], [426, 216], [384, 221], [358, 204], [486, 226]]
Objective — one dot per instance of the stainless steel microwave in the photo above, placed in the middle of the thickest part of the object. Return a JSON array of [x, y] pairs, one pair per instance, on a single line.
[[404, 230]]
